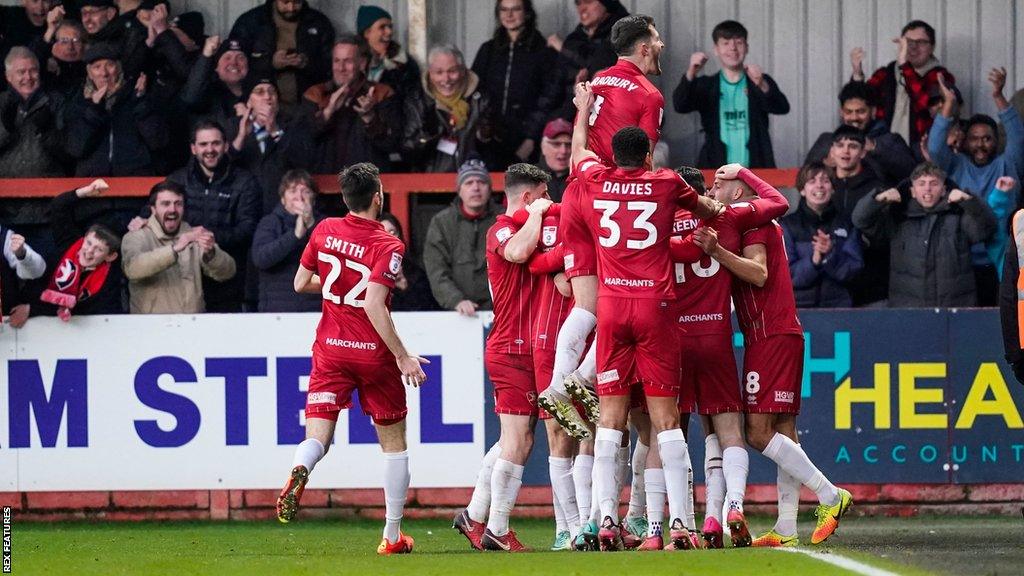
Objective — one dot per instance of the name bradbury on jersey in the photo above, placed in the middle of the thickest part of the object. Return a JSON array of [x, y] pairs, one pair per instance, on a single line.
[[344, 247], [615, 82]]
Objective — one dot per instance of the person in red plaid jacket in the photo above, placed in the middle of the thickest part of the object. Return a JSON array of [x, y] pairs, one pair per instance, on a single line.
[[903, 87]]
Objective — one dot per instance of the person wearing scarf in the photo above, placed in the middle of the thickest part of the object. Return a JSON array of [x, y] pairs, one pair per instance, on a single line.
[[82, 271]]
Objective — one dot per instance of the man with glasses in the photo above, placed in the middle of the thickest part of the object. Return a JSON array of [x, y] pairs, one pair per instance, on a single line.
[[902, 87]]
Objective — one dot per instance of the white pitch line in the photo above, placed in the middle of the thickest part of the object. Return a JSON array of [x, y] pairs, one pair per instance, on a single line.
[[842, 562]]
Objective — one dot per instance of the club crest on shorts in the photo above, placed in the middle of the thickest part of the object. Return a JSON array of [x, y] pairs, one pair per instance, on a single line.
[[395, 266], [548, 235]]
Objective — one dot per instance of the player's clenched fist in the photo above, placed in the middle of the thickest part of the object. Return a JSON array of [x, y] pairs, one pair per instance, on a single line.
[[412, 372]]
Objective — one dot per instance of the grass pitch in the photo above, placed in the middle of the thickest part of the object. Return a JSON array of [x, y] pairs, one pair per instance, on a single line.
[[902, 546]]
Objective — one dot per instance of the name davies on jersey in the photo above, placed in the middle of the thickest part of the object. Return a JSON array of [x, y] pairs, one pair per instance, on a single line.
[[344, 247], [615, 82], [633, 188]]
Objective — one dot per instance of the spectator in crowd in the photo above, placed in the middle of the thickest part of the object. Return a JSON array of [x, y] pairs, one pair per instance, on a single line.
[[65, 70], [190, 29], [555, 151], [930, 239], [821, 243], [412, 289], [31, 126], [117, 26], [215, 88], [20, 264], [96, 18], [454, 252], [852, 179], [451, 119], [354, 119], [514, 71], [389, 64], [22, 25], [901, 88], [289, 41], [887, 154], [270, 142], [980, 167], [733, 105], [588, 49], [280, 239], [113, 129], [166, 259], [84, 279], [167, 62], [225, 200]]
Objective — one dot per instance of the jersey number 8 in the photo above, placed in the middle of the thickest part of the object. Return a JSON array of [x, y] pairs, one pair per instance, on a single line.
[[352, 297]]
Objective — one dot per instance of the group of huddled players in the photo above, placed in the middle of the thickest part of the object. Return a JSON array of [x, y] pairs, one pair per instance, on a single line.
[[612, 309]]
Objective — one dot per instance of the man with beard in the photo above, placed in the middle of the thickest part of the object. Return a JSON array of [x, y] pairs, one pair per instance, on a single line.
[[223, 199], [888, 155], [289, 41], [166, 259], [980, 167], [113, 127], [555, 151], [355, 120], [733, 105]]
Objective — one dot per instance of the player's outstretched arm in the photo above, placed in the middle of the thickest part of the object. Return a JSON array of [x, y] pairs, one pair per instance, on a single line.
[[376, 309], [584, 100], [306, 281], [752, 267]]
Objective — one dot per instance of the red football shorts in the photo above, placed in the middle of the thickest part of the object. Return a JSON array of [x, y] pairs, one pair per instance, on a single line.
[[773, 371], [636, 337], [580, 252], [332, 381], [512, 376], [709, 375]]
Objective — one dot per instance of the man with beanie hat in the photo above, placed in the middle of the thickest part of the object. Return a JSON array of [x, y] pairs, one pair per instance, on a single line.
[[454, 254], [214, 88], [290, 41]]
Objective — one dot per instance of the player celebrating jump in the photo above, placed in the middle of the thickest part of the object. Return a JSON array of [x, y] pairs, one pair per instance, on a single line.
[[354, 263], [623, 96]]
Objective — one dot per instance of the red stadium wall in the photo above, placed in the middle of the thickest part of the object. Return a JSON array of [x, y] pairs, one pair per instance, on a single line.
[[534, 501]]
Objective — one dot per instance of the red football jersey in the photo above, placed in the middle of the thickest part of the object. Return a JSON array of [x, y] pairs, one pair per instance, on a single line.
[[632, 212], [770, 310], [512, 291], [703, 286], [551, 307], [348, 253], [623, 96]]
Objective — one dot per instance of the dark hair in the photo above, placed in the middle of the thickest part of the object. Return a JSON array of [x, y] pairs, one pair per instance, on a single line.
[[914, 24], [206, 124], [928, 169], [629, 31], [389, 217], [856, 90], [982, 119], [630, 146], [296, 176], [694, 177], [362, 48], [165, 186], [359, 183], [845, 132], [105, 235], [529, 35], [728, 29], [523, 175], [809, 171]]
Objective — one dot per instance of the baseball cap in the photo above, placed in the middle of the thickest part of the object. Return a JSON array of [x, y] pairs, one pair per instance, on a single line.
[[557, 127]]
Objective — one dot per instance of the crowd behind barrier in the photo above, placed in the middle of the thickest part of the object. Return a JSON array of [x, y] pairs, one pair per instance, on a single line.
[[907, 203]]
